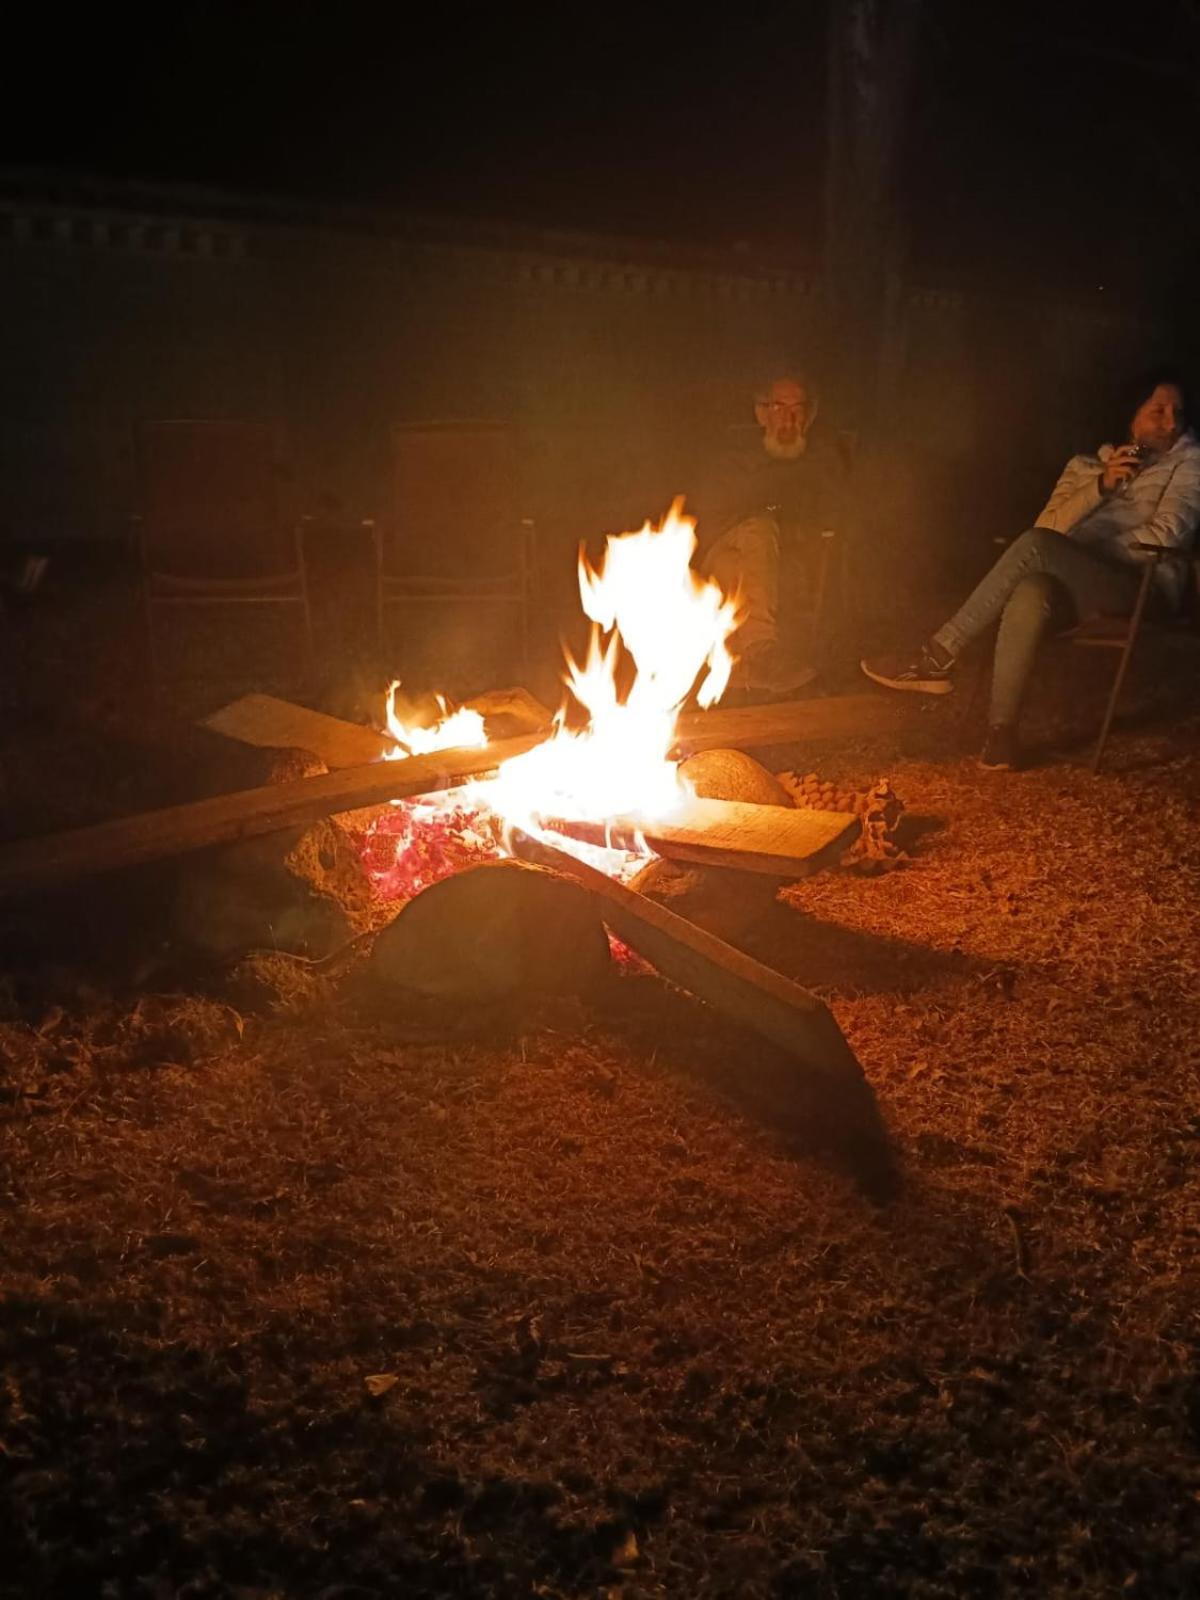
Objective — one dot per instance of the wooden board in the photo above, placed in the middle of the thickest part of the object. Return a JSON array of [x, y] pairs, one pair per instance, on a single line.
[[825, 720], [273, 724], [731, 833], [266, 721], [731, 981], [48, 861]]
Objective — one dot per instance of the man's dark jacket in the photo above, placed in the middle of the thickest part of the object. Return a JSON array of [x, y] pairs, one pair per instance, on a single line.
[[805, 496]]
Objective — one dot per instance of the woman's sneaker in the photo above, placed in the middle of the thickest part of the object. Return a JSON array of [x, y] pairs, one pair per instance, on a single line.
[[1000, 752], [921, 674]]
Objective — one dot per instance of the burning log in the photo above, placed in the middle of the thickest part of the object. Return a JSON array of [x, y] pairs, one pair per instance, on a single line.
[[269, 722], [728, 833], [726, 901]]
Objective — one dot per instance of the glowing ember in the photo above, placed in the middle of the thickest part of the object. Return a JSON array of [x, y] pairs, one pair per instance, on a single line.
[[416, 843], [643, 598]]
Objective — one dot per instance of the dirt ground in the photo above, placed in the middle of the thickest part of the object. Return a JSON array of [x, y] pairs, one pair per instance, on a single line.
[[301, 1299]]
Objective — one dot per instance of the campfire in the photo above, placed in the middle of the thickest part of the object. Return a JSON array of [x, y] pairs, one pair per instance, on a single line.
[[658, 628]]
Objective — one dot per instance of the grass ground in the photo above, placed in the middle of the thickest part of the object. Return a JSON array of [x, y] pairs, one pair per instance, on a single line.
[[302, 1299]]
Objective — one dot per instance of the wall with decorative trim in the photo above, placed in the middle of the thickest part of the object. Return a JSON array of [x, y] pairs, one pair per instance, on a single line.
[[621, 361]]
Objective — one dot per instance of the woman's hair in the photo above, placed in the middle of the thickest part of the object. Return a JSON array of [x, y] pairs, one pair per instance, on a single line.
[[1138, 390]]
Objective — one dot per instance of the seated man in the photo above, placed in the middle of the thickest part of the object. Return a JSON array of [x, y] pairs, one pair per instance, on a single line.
[[1080, 558], [759, 502]]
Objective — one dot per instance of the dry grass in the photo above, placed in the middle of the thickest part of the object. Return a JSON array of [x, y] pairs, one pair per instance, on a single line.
[[305, 1301]]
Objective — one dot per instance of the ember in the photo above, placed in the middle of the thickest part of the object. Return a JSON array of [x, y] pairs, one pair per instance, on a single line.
[[416, 843]]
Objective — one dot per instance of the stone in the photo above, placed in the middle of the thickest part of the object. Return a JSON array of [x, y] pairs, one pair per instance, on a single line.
[[732, 775], [719, 899], [492, 932]]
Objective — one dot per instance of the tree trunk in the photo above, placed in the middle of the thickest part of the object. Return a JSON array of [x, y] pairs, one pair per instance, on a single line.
[[870, 74]]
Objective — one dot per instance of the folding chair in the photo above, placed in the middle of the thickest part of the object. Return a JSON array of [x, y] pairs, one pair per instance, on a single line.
[[214, 529], [1122, 633], [454, 536]]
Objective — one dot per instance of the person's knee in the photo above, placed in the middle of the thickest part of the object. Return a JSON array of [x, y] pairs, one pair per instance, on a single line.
[[1044, 543], [758, 536], [1032, 601]]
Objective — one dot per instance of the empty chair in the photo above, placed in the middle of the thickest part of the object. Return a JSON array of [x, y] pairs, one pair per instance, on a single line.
[[454, 540], [215, 526]]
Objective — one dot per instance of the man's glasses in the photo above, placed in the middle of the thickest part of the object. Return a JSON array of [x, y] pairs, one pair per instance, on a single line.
[[784, 408]]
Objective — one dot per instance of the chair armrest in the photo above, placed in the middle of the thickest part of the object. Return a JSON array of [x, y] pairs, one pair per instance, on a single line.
[[1158, 550]]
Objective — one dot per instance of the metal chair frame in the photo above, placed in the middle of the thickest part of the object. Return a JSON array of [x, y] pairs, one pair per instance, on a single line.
[[1113, 633], [1123, 633], [163, 588]]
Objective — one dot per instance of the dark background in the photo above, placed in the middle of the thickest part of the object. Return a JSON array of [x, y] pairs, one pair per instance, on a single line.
[[331, 216], [1048, 145]]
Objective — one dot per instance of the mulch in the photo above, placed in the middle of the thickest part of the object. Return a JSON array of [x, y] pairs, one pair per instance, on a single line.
[[301, 1297]]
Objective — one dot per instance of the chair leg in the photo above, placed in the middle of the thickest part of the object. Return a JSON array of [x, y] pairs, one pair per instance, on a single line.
[[379, 605], [818, 611], [151, 645], [309, 646], [1131, 637]]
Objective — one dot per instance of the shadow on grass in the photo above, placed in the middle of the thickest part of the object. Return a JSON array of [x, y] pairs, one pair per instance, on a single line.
[[835, 960]]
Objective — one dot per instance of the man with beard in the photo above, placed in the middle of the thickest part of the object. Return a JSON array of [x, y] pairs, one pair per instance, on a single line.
[[759, 516]]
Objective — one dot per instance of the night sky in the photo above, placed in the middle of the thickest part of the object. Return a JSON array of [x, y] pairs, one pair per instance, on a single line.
[[1048, 143]]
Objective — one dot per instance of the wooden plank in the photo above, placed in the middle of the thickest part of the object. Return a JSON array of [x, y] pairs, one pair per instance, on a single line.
[[265, 720], [735, 984], [831, 718], [48, 861], [730, 833], [270, 723]]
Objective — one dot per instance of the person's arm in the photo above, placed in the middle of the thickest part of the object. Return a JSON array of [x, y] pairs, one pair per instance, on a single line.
[[1177, 515], [1076, 495]]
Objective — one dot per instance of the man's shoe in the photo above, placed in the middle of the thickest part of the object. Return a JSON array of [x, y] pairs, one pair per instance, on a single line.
[[766, 670], [920, 674], [1000, 752]]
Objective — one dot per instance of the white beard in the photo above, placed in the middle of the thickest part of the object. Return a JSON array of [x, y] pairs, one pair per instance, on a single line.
[[778, 451]]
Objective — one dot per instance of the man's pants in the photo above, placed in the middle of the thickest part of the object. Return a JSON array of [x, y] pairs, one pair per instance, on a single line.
[[1036, 571], [745, 560]]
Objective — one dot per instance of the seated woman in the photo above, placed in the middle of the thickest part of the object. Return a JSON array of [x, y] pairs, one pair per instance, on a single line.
[[1081, 552]]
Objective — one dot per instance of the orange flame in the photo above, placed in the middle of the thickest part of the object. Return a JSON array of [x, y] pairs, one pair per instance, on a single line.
[[643, 597], [457, 730]]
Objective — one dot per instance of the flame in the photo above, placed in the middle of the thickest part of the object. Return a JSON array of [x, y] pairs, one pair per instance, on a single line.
[[459, 730], [644, 599]]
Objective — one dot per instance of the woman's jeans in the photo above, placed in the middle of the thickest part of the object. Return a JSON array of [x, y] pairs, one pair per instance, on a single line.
[[1038, 569]]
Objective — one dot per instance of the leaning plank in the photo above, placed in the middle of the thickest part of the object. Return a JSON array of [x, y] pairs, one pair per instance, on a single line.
[[266, 720], [273, 724], [50, 860], [729, 980], [730, 833], [832, 717]]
